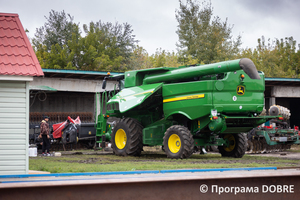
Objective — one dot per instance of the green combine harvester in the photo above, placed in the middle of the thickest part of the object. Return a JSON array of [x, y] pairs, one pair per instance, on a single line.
[[183, 109]]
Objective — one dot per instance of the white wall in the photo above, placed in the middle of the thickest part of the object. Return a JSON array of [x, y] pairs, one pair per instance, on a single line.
[[14, 119]]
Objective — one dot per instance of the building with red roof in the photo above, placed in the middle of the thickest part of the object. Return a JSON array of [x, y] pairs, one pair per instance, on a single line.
[[18, 65], [16, 54]]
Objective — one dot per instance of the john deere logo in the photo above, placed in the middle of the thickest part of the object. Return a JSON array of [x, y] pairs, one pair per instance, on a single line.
[[240, 90]]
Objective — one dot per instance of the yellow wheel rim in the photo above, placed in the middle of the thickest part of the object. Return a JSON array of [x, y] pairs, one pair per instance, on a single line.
[[174, 143], [120, 139], [231, 142]]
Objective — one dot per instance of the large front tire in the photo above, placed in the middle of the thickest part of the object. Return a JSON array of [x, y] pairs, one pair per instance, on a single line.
[[237, 146], [127, 138], [178, 142]]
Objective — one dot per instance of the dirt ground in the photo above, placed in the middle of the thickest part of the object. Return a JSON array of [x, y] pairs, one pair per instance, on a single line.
[[292, 154], [155, 154]]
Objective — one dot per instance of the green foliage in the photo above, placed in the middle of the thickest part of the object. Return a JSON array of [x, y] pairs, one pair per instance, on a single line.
[[59, 45], [202, 36], [123, 35], [277, 58], [99, 51], [203, 39], [139, 59], [58, 29]]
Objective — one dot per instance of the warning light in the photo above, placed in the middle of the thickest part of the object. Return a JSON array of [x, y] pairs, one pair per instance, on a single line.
[[108, 73], [242, 76], [107, 116], [215, 117], [280, 118]]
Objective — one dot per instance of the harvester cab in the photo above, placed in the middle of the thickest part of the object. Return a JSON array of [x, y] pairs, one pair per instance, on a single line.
[[183, 108]]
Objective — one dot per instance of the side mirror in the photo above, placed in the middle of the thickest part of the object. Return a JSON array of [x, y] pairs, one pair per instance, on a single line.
[[104, 83]]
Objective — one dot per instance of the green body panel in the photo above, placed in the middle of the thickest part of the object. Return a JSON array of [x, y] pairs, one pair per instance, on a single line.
[[189, 107], [227, 100], [129, 98], [136, 77], [217, 94], [209, 141], [153, 135]]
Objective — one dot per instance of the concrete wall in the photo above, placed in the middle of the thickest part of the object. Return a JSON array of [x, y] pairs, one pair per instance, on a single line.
[[285, 91], [289, 97]]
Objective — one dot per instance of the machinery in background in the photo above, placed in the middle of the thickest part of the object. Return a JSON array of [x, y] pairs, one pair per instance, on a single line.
[[278, 136], [70, 132]]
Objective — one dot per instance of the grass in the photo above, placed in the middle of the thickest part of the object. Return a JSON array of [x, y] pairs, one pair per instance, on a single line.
[[150, 161]]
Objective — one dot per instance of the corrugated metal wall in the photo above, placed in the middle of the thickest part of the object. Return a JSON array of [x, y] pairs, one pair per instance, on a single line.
[[14, 100]]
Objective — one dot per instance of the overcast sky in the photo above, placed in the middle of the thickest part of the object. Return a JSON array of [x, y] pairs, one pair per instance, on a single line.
[[154, 22]]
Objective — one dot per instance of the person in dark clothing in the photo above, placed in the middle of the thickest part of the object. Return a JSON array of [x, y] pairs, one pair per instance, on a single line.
[[45, 135]]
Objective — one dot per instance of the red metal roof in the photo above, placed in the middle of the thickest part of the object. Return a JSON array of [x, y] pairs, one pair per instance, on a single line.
[[16, 54]]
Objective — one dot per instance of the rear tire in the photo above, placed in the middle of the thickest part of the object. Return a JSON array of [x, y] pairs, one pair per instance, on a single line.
[[237, 146], [127, 137], [178, 142]]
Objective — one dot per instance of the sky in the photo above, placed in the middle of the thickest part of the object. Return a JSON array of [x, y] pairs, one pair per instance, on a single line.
[[154, 23]]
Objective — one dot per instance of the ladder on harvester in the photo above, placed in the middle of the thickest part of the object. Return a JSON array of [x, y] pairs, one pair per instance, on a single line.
[[101, 125]]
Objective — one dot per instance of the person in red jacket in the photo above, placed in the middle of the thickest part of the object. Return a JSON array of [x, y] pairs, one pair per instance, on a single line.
[[45, 135]]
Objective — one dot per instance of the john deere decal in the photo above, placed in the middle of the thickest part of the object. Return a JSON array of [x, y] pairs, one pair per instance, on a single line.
[[240, 90]]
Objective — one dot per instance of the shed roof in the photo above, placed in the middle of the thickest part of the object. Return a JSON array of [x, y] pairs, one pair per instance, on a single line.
[[63, 73], [16, 54]]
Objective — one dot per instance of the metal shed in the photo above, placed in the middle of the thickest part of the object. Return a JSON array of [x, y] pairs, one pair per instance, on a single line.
[[18, 65]]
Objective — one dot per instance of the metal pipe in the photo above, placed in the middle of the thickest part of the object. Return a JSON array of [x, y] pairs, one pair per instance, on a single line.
[[216, 68]]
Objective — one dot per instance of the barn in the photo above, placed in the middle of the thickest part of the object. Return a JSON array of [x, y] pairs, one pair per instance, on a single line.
[[18, 66]]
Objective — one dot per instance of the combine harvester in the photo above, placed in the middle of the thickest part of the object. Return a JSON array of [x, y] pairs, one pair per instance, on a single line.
[[183, 109]]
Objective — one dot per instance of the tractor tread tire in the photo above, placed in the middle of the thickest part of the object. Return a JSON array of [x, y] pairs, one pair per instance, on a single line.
[[134, 134], [239, 149], [187, 142]]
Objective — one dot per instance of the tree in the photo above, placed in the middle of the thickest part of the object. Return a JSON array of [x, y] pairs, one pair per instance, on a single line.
[[105, 46], [276, 58], [99, 51], [202, 36], [139, 59], [123, 33], [288, 57], [58, 29], [56, 43]]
